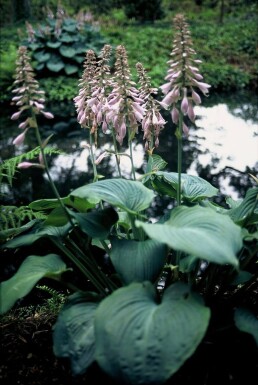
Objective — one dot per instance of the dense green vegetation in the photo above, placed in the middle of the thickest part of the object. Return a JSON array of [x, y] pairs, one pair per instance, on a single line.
[[228, 49]]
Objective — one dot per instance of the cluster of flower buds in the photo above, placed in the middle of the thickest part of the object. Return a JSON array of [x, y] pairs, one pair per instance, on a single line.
[[30, 32], [27, 97], [152, 122], [124, 106], [95, 84], [85, 115], [183, 76]]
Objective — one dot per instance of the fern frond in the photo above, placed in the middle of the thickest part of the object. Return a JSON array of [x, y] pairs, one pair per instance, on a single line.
[[8, 167], [14, 217]]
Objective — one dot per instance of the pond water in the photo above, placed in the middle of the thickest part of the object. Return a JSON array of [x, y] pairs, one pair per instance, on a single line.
[[222, 147]]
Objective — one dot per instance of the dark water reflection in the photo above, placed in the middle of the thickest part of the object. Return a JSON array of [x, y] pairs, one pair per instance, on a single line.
[[222, 148]]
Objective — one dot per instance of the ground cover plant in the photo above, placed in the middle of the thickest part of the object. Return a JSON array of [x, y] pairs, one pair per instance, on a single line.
[[146, 292]]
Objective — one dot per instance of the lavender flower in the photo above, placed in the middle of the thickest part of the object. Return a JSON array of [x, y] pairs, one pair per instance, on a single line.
[[152, 122], [28, 96], [95, 85], [124, 108], [183, 75]]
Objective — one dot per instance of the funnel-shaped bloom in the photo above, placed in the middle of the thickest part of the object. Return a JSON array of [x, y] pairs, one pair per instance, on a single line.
[[28, 97], [183, 77], [152, 122]]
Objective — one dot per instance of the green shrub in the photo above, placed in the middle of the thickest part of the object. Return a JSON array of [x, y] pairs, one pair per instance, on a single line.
[[58, 46], [144, 10]]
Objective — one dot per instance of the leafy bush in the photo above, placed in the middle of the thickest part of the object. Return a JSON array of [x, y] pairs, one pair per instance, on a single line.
[[58, 47], [144, 10], [147, 290]]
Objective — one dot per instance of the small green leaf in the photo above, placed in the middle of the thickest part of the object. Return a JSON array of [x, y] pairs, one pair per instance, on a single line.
[[128, 195], [30, 272], [140, 340], [73, 335], [200, 232], [246, 322], [138, 261]]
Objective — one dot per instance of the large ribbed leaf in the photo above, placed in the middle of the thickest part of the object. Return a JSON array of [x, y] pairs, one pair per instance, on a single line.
[[246, 322], [128, 195], [39, 232], [80, 204], [29, 273], [247, 209], [193, 188], [74, 332], [137, 261], [142, 341], [200, 232], [96, 224]]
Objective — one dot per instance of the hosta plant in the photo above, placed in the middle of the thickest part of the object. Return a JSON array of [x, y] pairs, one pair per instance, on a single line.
[[58, 46], [145, 292]]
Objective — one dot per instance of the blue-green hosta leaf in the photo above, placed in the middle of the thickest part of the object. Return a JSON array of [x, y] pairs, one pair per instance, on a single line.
[[155, 163], [71, 69], [246, 322], [138, 261], [129, 195], [193, 188], [39, 232], [79, 204], [53, 44], [41, 56], [55, 65], [242, 277], [74, 332], [247, 209], [67, 51], [96, 224], [142, 341], [29, 273], [200, 232]]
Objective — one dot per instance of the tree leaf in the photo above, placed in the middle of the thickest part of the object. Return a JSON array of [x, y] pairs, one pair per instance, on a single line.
[[29, 273], [73, 335], [246, 322], [142, 341], [194, 188], [129, 195], [138, 261], [200, 232], [96, 224]]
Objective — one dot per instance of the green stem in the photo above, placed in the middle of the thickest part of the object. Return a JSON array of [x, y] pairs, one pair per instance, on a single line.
[[179, 156], [116, 152], [54, 189], [131, 157], [95, 173]]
